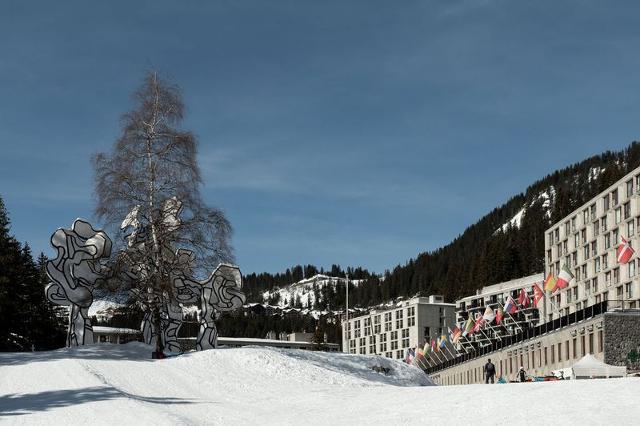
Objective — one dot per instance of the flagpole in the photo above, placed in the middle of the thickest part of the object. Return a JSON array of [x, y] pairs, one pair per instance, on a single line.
[[512, 318]]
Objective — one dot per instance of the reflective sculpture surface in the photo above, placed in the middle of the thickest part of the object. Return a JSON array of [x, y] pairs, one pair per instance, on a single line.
[[74, 273], [220, 292], [77, 268]]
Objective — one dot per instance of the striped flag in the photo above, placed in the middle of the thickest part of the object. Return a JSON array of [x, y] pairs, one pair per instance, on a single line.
[[550, 283], [468, 327], [564, 278], [510, 307], [625, 251]]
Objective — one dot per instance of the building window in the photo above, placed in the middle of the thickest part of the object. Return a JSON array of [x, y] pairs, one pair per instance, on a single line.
[[616, 275], [596, 265], [614, 197], [628, 290], [605, 202], [593, 211], [594, 284], [559, 351], [584, 271], [552, 354], [618, 217], [629, 188], [594, 248], [605, 262], [566, 351], [596, 228], [575, 348], [590, 343], [603, 224], [600, 341], [627, 210], [582, 346], [631, 228], [607, 241]]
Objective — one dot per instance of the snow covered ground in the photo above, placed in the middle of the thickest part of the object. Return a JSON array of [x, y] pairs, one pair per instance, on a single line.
[[111, 384]]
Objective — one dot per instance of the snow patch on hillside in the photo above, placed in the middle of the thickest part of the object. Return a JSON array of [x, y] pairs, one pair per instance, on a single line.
[[303, 290]]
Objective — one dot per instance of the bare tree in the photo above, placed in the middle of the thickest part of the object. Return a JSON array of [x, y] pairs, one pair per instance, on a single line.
[[148, 188]]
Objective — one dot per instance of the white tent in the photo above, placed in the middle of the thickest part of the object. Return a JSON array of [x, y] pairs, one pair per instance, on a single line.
[[589, 367]]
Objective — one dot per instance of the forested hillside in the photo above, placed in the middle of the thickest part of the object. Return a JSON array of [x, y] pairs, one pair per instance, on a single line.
[[506, 243]]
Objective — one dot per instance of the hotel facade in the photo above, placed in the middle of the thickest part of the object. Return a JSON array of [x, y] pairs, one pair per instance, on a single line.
[[586, 241], [390, 332]]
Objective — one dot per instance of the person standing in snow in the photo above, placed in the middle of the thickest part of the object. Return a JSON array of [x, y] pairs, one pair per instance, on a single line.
[[522, 375], [489, 371]]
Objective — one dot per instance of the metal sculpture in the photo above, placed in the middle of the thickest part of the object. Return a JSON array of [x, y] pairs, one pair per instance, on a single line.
[[77, 269], [221, 292], [74, 274]]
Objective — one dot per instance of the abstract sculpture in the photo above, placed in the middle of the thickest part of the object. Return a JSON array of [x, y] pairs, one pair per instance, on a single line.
[[77, 269], [221, 292], [74, 274]]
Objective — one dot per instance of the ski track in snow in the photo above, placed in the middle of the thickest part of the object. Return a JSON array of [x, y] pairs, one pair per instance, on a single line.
[[118, 384]]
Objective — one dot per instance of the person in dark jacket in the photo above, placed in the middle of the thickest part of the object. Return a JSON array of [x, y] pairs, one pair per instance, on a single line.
[[489, 371], [522, 374]]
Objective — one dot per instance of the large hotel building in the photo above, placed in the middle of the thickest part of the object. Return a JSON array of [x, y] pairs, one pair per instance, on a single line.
[[586, 241], [598, 313], [390, 332]]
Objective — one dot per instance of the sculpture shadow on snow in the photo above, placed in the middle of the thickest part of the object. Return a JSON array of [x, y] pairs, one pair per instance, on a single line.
[[21, 404]]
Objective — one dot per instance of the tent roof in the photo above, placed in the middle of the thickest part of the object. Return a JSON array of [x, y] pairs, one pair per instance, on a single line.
[[591, 366]]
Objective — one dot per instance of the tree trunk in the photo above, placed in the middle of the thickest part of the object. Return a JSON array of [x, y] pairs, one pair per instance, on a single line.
[[157, 331]]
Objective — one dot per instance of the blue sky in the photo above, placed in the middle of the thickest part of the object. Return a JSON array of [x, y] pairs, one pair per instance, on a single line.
[[350, 132]]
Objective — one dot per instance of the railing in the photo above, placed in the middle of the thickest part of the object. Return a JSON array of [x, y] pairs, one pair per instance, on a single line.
[[526, 334]]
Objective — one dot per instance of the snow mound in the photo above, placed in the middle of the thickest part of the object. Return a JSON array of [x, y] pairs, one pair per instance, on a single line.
[[120, 384]]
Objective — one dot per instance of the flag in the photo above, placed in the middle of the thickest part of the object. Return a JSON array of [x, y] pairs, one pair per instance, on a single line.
[[455, 334], [550, 283], [625, 251], [479, 323], [523, 298], [510, 307], [443, 341], [433, 345], [438, 344], [410, 356], [427, 348], [538, 294], [564, 278], [499, 316], [469, 326], [489, 315]]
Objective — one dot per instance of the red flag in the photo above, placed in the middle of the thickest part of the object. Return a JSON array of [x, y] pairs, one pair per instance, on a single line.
[[538, 294], [625, 251], [499, 316], [523, 299]]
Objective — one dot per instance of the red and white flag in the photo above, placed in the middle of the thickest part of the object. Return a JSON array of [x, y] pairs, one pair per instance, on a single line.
[[479, 323], [625, 251], [538, 294], [523, 298]]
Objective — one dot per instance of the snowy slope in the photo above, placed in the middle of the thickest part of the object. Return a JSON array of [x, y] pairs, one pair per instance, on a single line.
[[304, 290], [107, 384]]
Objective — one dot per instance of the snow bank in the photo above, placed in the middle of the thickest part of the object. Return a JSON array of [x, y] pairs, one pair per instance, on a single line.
[[119, 384]]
